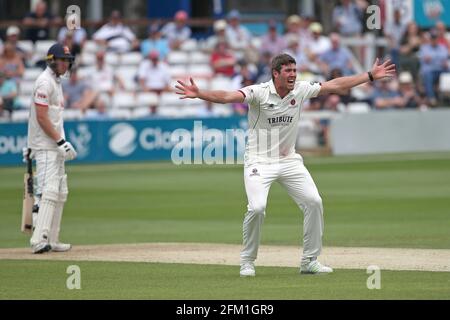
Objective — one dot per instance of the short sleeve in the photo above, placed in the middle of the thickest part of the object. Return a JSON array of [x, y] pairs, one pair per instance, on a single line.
[[309, 89], [42, 94], [251, 93]]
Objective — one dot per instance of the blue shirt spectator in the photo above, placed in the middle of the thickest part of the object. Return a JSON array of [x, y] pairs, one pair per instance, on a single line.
[[385, 98], [347, 18], [433, 61], [155, 43], [337, 57]]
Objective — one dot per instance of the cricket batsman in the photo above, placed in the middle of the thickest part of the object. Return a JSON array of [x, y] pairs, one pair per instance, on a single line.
[[274, 111], [46, 140]]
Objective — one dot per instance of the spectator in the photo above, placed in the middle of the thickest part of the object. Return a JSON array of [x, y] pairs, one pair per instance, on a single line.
[[155, 43], [295, 50], [77, 93], [304, 30], [154, 75], [238, 37], [442, 38], [8, 94], [97, 111], [337, 57], [103, 76], [116, 36], [223, 60], [177, 31], [385, 97], [409, 46], [38, 22], [219, 35], [243, 79], [411, 100], [293, 23], [394, 32], [264, 69], [433, 61], [79, 36], [272, 42], [11, 62], [347, 19], [318, 44], [13, 36]]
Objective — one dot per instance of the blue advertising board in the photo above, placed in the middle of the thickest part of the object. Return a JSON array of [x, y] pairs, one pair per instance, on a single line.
[[138, 140], [428, 12]]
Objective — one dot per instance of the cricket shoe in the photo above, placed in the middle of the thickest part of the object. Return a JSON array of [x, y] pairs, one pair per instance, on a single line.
[[247, 269], [314, 267], [61, 247], [40, 247]]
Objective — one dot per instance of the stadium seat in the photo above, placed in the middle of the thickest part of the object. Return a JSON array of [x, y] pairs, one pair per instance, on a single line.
[[24, 101], [112, 58], [20, 115], [145, 99], [90, 46], [26, 45], [444, 82], [128, 74], [178, 71], [72, 114], [26, 87], [131, 58], [41, 47], [85, 72], [358, 107], [119, 113], [170, 111], [123, 100], [197, 57], [87, 58], [31, 73], [219, 83], [140, 112], [177, 57], [189, 45], [170, 99], [200, 70], [223, 110]]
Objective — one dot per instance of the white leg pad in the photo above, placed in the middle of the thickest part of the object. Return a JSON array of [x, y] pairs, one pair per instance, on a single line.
[[56, 222], [50, 196]]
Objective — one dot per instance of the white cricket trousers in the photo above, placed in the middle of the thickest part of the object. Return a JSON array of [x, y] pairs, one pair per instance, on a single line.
[[295, 178]]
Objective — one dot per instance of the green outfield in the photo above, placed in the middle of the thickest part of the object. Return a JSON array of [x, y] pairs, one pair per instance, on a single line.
[[396, 201]]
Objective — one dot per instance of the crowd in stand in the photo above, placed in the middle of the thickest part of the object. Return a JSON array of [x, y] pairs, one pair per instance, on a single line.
[[230, 58]]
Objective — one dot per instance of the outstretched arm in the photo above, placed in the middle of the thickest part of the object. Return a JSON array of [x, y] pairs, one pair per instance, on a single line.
[[342, 84], [216, 96]]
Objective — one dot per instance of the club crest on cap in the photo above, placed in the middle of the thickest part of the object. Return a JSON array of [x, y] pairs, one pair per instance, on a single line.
[[66, 50]]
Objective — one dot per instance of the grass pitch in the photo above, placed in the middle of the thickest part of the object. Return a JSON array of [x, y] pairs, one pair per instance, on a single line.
[[371, 201]]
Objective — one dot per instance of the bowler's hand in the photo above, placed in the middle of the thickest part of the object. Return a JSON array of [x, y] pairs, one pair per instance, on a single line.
[[384, 70], [186, 90]]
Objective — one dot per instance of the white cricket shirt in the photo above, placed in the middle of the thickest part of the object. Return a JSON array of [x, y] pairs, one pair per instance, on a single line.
[[47, 93], [273, 121]]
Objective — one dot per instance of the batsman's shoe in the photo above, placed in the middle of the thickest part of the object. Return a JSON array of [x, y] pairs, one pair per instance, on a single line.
[[247, 269], [40, 247], [61, 247], [314, 267]]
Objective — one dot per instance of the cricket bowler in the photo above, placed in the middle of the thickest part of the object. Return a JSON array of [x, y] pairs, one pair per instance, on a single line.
[[46, 139], [274, 111]]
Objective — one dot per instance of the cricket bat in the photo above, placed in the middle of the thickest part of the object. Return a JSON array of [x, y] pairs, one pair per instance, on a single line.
[[28, 199]]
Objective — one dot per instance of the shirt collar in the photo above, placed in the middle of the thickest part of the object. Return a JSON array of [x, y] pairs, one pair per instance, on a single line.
[[272, 87], [53, 74]]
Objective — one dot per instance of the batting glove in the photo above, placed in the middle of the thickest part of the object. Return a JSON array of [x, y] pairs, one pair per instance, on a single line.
[[66, 149]]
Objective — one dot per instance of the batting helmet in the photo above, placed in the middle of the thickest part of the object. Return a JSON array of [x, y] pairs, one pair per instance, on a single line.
[[58, 51]]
